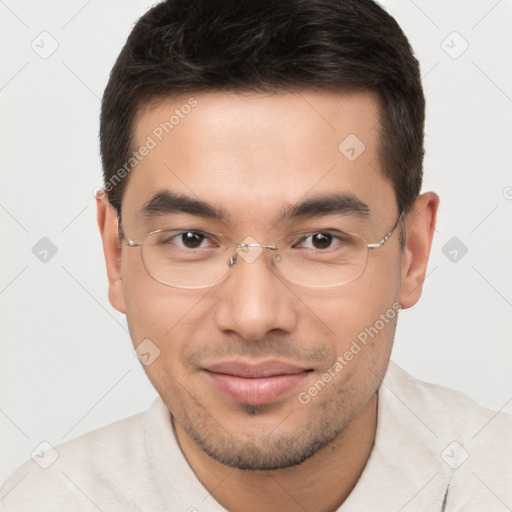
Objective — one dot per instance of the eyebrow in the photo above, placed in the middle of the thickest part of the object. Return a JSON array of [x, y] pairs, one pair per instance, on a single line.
[[322, 205], [165, 202]]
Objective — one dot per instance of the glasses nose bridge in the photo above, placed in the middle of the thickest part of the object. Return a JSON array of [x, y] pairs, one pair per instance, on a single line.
[[249, 250]]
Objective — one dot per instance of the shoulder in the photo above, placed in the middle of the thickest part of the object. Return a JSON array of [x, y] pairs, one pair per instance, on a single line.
[[447, 411], [105, 467], [471, 444]]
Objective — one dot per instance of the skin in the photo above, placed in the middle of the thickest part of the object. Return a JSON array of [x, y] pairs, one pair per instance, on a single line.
[[254, 154]]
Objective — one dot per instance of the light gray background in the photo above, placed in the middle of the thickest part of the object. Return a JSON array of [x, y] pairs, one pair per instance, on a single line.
[[66, 358]]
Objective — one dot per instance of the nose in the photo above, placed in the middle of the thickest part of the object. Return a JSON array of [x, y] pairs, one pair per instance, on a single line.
[[253, 300]]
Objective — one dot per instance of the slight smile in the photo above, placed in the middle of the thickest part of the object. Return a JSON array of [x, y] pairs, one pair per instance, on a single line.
[[255, 384]]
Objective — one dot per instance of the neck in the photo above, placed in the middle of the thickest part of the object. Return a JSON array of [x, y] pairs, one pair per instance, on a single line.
[[320, 484]]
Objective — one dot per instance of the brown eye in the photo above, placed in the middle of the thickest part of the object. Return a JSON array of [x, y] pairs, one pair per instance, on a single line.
[[192, 240], [321, 240], [318, 241]]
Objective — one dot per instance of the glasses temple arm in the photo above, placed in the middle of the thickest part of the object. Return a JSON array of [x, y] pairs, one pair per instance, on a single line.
[[385, 238]]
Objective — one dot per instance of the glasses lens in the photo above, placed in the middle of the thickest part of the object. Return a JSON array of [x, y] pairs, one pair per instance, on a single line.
[[184, 259], [192, 259], [322, 259]]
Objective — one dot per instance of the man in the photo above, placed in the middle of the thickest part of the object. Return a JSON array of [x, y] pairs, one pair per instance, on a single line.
[[262, 228]]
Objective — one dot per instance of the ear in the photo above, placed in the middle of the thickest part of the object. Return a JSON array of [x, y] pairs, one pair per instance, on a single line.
[[421, 223], [108, 224]]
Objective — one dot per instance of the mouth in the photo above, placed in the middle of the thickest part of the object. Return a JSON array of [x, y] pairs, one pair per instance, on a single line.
[[255, 384]]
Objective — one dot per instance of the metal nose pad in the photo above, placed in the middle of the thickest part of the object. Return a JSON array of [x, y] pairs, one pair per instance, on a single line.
[[249, 250]]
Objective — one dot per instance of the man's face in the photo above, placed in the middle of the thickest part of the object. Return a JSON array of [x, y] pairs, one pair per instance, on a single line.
[[240, 362]]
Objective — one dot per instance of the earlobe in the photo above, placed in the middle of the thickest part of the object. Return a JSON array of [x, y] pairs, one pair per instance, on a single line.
[[108, 225], [421, 223]]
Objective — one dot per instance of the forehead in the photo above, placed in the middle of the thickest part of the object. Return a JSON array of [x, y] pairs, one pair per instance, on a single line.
[[252, 153]]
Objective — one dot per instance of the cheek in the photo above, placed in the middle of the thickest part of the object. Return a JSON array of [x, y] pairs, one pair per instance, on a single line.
[[152, 308], [168, 317], [352, 308], [161, 313], [161, 321], [361, 316]]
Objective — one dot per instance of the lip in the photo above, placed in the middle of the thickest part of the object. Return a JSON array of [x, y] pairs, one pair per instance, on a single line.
[[255, 384]]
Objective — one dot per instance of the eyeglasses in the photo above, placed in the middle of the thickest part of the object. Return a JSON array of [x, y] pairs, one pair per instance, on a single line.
[[197, 259]]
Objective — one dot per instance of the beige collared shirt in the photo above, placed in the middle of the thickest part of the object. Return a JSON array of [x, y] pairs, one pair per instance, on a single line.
[[435, 450]]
